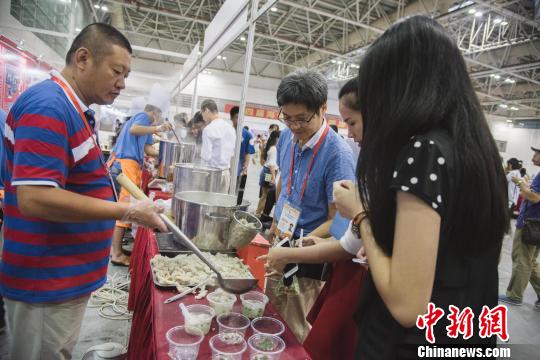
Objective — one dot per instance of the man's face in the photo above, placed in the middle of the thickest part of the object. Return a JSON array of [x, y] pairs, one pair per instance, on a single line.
[[206, 115], [354, 121], [302, 122], [536, 158], [101, 81]]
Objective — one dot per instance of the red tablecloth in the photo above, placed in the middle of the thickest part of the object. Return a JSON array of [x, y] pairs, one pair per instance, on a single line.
[[152, 318]]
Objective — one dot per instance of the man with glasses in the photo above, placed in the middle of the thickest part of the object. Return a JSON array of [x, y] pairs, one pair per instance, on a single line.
[[135, 140], [311, 157]]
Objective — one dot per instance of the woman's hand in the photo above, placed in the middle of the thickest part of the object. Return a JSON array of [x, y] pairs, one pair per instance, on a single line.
[[516, 180], [347, 199], [276, 260]]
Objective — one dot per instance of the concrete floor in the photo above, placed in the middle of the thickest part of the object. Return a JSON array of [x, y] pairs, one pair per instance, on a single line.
[[523, 321]]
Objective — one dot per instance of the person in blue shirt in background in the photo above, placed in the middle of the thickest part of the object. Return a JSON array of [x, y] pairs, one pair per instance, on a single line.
[[246, 150]]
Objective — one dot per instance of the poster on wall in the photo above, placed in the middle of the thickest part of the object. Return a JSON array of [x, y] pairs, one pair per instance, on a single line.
[[19, 69]]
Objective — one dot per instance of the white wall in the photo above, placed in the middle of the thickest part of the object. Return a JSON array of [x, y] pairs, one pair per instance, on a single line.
[[519, 141]]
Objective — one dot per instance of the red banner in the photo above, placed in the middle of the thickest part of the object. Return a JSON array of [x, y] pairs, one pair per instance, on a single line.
[[268, 112]]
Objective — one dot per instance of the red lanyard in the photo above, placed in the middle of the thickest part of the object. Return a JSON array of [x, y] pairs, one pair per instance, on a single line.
[[315, 151], [75, 102]]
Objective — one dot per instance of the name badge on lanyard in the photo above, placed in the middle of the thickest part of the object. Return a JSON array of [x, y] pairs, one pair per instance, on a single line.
[[92, 134], [291, 213]]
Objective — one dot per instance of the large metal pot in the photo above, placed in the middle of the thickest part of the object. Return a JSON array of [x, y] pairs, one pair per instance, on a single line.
[[172, 152], [205, 218], [191, 177]]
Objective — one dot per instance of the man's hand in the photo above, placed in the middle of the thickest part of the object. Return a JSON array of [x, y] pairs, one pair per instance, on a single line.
[[145, 213], [314, 240], [163, 128], [347, 199]]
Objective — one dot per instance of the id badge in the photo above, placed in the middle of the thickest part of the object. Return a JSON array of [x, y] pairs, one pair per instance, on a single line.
[[267, 178], [289, 219]]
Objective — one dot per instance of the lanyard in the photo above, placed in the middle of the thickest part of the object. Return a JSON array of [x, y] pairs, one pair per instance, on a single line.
[[92, 134], [315, 151]]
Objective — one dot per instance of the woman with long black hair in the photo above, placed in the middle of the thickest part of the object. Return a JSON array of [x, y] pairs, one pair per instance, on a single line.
[[431, 202], [269, 172]]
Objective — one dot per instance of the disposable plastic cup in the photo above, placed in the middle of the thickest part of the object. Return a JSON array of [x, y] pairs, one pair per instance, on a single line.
[[199, 319], [253, 304], [221, 301], [265, 347], [183, 345], [267, 325], [233, 323], [227, 346]]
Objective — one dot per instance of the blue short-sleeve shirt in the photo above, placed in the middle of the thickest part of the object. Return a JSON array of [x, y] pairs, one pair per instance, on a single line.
[[332, 163], [532, 209], [130, 146], [246, 147]]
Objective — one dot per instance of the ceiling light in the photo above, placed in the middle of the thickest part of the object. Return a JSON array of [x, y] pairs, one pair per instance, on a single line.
[[504, 23], [503, 106], [508, 121], [514, 108], [509, 81], [339, 62], [497, 77], [243, 38], [77, 29], [274, 9], [472, 11], [333, 61], [497, 20], [104, 8], [223, 58], [219, 57], [96, 6], [478, 14]]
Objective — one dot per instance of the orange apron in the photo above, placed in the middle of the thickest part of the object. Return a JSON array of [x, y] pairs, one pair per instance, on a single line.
[[133, 171]]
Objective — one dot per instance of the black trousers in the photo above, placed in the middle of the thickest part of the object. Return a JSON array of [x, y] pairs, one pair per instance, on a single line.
[[241, 186]]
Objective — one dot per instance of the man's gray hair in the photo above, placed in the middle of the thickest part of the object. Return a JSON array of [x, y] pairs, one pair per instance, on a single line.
[[303, 86]]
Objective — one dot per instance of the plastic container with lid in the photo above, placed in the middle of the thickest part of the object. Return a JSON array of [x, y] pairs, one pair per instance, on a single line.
[[233, 323], [200, 318], [265, 347], [225, 347]]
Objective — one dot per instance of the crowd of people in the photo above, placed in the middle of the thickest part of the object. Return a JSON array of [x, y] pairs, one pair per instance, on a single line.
[[362, 242]]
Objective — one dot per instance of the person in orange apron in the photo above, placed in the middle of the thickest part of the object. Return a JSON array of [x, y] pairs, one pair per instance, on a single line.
[[134, 142]]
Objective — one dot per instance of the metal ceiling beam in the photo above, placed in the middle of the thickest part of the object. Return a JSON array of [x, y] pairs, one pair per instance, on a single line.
[[519, 67], [176, 15], [508, 13], [332, 16], [159, 51], [496, 69]]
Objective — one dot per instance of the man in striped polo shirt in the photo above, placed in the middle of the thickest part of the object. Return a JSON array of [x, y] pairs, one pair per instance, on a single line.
[[59, 205]]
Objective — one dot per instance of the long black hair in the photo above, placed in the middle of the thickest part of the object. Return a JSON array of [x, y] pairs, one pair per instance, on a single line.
[[272, 141], [349, 94], [412, 80]]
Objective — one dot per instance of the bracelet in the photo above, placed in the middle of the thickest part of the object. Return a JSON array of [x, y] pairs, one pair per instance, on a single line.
[[357, 221]]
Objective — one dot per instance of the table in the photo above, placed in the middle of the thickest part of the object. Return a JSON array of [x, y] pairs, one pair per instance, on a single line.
[[152, 318]]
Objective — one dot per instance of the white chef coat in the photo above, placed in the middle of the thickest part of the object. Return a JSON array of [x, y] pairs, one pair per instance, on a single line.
[[218, 142]]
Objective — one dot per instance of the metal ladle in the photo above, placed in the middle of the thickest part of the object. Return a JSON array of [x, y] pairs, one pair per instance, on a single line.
[[235, 286]]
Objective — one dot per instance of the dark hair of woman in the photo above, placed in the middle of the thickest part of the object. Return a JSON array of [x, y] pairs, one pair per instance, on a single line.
[[272, 141], [413, 80], [523, 171], [348, 94], [514, 163]]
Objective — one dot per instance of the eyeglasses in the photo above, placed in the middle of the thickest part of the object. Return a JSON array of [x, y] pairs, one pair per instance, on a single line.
[[299, 123]]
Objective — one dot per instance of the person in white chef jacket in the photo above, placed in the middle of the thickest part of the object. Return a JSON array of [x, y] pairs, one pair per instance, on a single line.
[[218, 141]]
